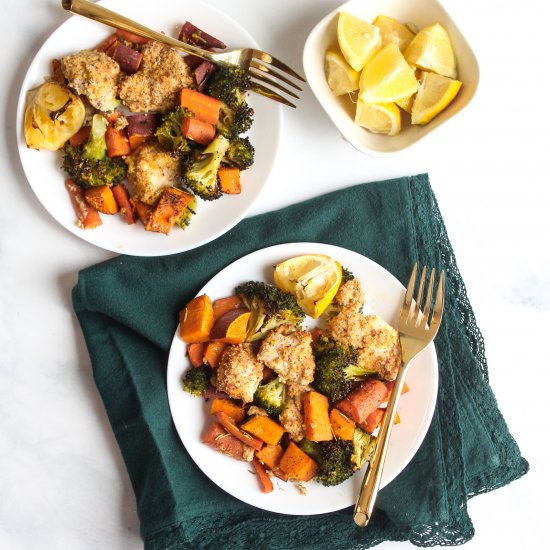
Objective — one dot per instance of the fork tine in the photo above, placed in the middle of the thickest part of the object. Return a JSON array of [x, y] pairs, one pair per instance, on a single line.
[[254, 64], [423, 320], [416, 304], [267, 80], [263, 90], [270, 60], [439, 303], [411, 285]]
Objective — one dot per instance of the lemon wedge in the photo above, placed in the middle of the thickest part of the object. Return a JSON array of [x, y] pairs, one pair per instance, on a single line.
[[435, 93], [406, 103], [380, 118], [392, 30], [431, 50], [53, 115], [342, 78], [314, 280], [358, 40], [387, 77]]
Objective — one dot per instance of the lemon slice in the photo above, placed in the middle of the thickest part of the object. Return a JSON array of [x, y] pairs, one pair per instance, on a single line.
[[357, 39], [380, 118], [392, 30], [431, 50], [52, 116], [342, 78], [314, 280], [435, 93], [387, 77], [406, 103]]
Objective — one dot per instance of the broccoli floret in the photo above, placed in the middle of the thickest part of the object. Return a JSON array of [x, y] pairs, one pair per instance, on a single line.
[[229, 84], [270, 307], [363, 446], [234, 121], [271, 397], [240, 153], [190, 211], [201, 173], [169, 131], [196, 380], [311, 448], [90, 166], [347, 275], [335, 462], [332, 358]]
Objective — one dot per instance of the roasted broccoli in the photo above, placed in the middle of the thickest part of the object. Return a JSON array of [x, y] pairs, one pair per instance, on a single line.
[[169, 131], [240, 153], [270, 307], [347, 275], [271, 397], [332, 359], [311, 448], [363, 445], [335, 462], [229, 85], [90, 166], [196, 380], [234, 121], [201, 173], [190, 211]]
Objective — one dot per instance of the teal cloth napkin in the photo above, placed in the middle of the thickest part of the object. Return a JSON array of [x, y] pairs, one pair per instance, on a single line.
[[128, 310]]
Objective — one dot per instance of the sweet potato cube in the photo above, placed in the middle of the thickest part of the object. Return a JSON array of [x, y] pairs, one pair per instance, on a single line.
[[170, 207], [342, 426], [102, 199], [316, 418], [222, 305], [213, 352], [270, 455], [230, 407], [196, 320], [298, 465], [231, 326], [230, 180], [265, 429]]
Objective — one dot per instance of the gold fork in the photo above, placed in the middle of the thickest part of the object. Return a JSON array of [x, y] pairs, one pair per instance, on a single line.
[[257, 63], [416, 331]]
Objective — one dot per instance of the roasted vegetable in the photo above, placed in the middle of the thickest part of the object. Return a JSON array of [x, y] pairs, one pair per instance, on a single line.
[[201, 173], [196, 320], [270, 308], [196, 380], [271, 397], [335, 464], [240, 153], [235, 121], [229, 85], [363, 446], [297, 465], [316, 419], [169, 131], [190, 211]]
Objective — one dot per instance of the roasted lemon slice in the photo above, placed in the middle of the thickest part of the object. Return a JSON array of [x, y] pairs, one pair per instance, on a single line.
[[314, 280], [52, 116], [357, 39], [387, 77], [435, 93], [431, 50]]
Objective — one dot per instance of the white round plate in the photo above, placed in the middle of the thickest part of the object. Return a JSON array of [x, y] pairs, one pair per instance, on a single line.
[[384, 296], [213, 219]]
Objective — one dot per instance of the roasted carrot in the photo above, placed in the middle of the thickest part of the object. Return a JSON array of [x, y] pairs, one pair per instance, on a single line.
[[391, 384], [226, 421], [102, 199], [131, 37], [203, 107], [213, 352], [298, 465], [316, 419], [196, 320], [195, 352], [231, 408], [81, 137], [342, 426], [270, 455], [123, 200], [117, 142], [142, 209], [112, 47], [198, 130], [264, 428], [373, 421], [265, 480], [169, 208], [222, 305], [87, 216], [105, 44], [230, 180]]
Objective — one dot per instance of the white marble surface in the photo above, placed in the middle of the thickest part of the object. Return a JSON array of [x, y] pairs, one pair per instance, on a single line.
[[62, 481]]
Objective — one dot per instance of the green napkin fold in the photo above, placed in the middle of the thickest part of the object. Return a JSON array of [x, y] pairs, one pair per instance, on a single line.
[[128, 309]]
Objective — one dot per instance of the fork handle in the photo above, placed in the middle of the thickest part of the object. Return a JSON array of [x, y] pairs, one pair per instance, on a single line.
[[371, 482], [112, 19]]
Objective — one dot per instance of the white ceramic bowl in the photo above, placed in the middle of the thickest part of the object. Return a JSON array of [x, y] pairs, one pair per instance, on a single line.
[[342, 111]]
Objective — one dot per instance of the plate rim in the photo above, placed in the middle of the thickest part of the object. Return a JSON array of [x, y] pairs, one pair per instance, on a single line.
[[177, 342], [113, 244]]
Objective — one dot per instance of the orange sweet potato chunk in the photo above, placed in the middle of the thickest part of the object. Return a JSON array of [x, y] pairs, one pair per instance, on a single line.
[[196, 320], [298, 465], [316, 418]]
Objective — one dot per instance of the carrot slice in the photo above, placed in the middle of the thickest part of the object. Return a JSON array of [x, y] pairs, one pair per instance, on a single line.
[[204, 107], [195, 352], [265, 480], [234, 430], [198, 130], [123, 200], [87, 216], [213, 353]]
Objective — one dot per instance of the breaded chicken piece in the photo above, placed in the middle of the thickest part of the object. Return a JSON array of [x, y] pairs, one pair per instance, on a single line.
[[377, 343], [94, 75], [156, 85], [239, 372], [289, 354], [292, 419], [150, 170], [351, 295]]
